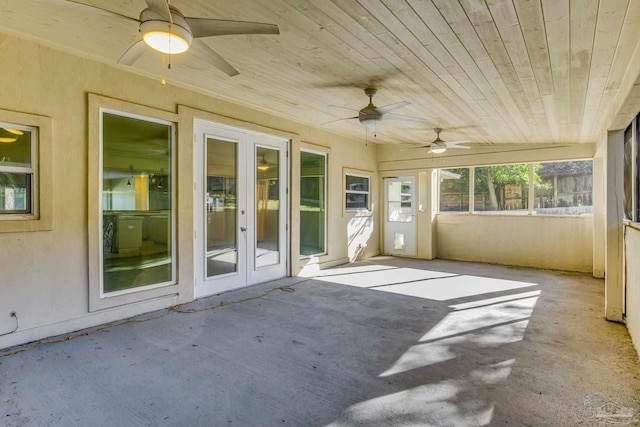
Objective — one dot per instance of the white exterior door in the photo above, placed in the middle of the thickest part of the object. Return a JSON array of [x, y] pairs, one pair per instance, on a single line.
[[400, 216], [240, 208]]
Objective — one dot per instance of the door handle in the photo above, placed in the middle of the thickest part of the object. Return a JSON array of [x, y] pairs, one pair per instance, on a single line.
[[243, 229]]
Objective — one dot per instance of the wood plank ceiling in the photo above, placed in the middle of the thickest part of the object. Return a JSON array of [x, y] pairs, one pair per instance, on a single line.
[[494, 71]]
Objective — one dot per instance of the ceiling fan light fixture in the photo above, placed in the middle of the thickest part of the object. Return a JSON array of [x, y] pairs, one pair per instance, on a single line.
[[14, 131], [165, 41], [263, 168], [8, 139], [164, 36], [438, 149], [370, 123]]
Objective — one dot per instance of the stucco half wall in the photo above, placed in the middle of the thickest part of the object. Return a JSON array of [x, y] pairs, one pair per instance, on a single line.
[[553, 242]]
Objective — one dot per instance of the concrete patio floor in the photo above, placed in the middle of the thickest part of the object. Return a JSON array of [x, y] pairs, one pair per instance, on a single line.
[[384, 342]]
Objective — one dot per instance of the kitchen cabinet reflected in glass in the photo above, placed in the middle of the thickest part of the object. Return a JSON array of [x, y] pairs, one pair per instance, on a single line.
[[136, 203]]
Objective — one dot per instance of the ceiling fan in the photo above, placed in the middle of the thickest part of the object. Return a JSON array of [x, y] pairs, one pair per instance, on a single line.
[[371, 115], [438, 146], [164, 28]]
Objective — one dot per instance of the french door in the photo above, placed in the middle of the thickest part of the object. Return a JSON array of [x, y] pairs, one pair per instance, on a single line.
[[240, 208], [400, 216]]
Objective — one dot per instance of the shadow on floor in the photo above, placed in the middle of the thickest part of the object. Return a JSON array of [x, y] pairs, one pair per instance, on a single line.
[[384, 342]]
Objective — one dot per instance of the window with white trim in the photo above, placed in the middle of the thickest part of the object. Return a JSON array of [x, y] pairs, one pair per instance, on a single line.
[[313, 202], [137, 202], [356, 192], [18, 171]]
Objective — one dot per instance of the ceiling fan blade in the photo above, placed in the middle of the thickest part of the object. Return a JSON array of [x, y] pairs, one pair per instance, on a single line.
[[389, 108], [89, 8], [344, 108], [203, 27], [391, 116], [454, 144], [416, 147], [161, 7], [219, 62], [133, 53], [339, 120]]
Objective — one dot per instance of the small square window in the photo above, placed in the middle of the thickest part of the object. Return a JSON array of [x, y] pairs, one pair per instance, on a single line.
[[356, 192], [18, 171]]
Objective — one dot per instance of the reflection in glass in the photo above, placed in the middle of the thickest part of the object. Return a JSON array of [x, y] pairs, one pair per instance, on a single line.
[[312, 203], [15, 190], [356, 192], [399, 201], [16, 170], [136, 203], [267, 206], [15, 147], [221, 207]]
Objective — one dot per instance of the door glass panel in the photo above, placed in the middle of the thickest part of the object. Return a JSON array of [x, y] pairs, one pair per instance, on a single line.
[[399, 201], [267, 206], [221, 214], [136, 203]]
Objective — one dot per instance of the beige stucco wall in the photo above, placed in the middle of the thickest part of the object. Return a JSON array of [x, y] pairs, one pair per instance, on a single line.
[[553, 242], [45, 274], [632, 283]]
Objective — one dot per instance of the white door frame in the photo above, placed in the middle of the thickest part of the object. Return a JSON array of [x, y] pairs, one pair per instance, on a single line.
[[400, 238], [247, 273]]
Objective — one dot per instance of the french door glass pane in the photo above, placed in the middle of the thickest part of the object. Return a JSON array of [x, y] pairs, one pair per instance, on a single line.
[[267, 206], [221, 214], [136, 203]]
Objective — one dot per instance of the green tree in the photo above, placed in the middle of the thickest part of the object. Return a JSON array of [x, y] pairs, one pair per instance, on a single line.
[[493, 179]]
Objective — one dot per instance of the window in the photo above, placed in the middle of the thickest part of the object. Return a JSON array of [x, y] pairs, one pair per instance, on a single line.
[[501, 188], [137, 199], [18, 170], [565, 188], [313, 190], [356, 192], [454, 190], [556, 188]]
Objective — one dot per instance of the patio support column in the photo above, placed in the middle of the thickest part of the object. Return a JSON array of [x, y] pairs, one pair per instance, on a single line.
[[614, 238], [426, 227]]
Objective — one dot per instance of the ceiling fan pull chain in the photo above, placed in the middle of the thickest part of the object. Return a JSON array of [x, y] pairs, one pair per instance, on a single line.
[[163, 82]]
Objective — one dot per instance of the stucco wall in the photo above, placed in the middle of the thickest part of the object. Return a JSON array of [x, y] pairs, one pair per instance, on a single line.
[[632, 282], [44, 274], [553, 242]]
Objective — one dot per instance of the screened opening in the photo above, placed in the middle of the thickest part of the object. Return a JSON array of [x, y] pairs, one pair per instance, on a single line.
[[501, 188], [566, 188], [454, 190]]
